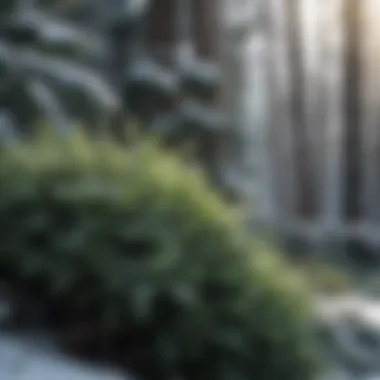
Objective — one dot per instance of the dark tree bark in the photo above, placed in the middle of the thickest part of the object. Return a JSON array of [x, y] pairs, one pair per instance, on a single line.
[[206, 27], [207, 33], [162, 29]]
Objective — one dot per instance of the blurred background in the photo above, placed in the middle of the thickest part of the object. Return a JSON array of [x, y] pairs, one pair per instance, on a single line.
[[278, 98]]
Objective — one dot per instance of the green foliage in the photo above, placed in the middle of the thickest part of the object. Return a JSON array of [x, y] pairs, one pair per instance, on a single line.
[[138, 242]]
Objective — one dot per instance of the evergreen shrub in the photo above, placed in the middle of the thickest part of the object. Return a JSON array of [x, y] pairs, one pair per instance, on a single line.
[[135, 244]]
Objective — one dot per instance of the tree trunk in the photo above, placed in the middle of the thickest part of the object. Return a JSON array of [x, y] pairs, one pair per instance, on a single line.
[[305, 206], [352, 151], [162, 36]]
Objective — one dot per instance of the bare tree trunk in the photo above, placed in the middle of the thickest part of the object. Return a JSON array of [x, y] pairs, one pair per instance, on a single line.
[[207, 33], [206, 27], [352, 152], [370, 112], [280, 129], [304, 170], [332, 59], [161, 26]]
